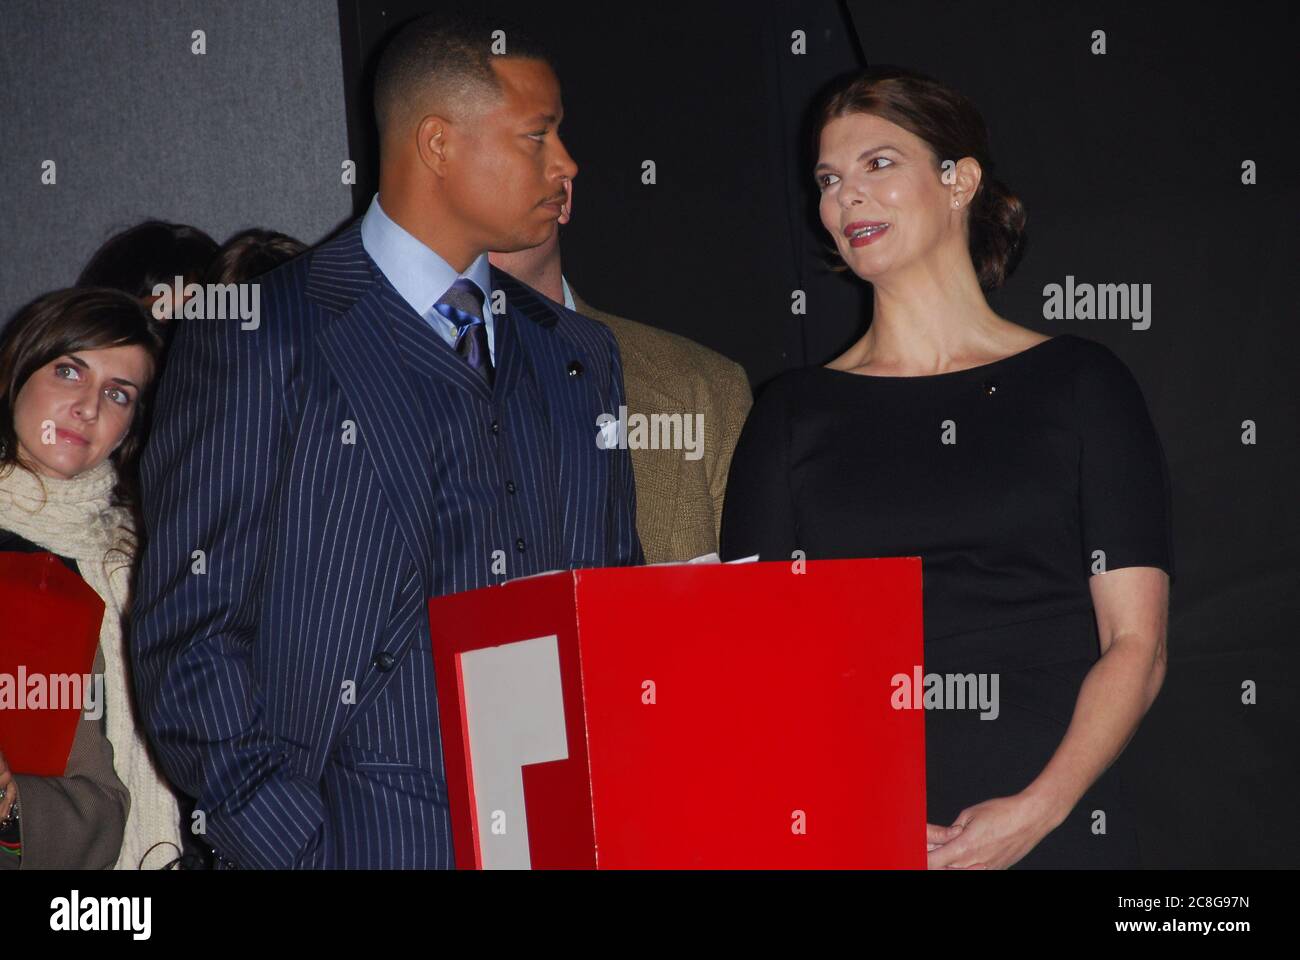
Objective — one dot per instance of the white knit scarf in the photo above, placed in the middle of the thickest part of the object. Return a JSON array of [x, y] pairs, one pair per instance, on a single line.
[[75, 518]]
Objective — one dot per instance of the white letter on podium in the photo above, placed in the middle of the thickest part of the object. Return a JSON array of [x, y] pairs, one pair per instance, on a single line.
[[514, 715]]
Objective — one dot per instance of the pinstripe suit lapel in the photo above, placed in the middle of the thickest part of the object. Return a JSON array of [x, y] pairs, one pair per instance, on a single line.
[[525, 317], [572, 381], [362, 352], [433, 356], [391, 416], [342, 273], [422, 349]]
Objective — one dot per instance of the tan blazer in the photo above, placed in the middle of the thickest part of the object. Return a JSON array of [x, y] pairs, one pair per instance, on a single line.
[[679, 501]]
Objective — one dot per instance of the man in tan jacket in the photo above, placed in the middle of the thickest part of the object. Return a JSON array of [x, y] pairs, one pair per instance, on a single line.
[[679, 500]]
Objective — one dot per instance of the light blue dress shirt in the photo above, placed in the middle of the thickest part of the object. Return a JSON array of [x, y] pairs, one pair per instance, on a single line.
[[420, 275], [568, 297]]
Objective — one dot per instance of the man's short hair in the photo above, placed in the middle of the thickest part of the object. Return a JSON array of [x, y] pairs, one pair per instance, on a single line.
[[442, 62]]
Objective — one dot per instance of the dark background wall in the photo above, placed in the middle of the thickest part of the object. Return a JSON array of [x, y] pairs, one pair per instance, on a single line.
[[1130, 164]]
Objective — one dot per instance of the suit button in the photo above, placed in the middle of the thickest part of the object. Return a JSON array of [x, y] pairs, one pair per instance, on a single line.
[[496, 427], [575, 368], [384, 661], [510, 486], [519, 544]]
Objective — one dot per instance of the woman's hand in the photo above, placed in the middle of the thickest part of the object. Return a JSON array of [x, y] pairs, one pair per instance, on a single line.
[[991, 835], [936, 837], [8, 785]]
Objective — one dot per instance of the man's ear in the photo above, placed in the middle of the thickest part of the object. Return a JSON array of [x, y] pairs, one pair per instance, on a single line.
[[431, 142]]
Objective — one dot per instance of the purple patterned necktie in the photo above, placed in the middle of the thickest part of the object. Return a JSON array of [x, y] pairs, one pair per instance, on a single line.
[[462, 304]]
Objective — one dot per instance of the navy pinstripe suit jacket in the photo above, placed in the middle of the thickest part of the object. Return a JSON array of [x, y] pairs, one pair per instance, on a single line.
[[289, 686]]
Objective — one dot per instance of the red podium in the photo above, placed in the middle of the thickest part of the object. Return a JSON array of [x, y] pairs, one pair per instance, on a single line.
[[701, 715]]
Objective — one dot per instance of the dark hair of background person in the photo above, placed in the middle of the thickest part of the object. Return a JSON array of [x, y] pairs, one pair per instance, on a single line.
[[251, 253], [152, 252], [953, 128], [445, 58], [74, 321]]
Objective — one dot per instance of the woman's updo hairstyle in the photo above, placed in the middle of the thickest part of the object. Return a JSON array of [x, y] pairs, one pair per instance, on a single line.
[[953, 128]]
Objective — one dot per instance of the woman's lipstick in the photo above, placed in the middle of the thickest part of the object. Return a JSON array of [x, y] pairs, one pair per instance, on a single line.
[[67, 436], [862, 232]]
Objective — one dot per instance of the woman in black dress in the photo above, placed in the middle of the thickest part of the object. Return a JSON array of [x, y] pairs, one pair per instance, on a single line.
[[1024, 470]]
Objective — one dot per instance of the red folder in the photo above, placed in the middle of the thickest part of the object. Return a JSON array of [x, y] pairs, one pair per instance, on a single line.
[[49, 627], [733, 715]]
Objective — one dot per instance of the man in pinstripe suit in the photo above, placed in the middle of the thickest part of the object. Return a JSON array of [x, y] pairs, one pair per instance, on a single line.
[[377, 439]]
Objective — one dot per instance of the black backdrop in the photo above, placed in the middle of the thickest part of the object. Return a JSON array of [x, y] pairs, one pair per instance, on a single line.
[[1130, 164]]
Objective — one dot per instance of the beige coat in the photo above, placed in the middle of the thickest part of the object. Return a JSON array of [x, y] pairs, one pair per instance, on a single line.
[[679, 501]]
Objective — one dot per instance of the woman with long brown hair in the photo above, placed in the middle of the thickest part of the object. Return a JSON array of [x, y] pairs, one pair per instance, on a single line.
[[75, 372]]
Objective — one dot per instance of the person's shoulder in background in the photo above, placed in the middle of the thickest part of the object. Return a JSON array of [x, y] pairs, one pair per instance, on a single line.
[[680, 508], [670, 362]]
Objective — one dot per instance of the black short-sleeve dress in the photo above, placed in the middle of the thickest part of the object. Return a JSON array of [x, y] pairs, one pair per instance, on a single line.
[[1015, 482]]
